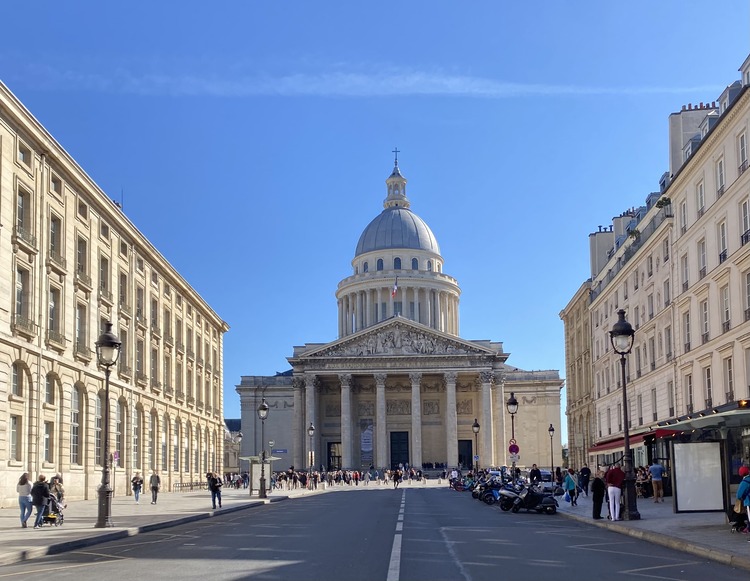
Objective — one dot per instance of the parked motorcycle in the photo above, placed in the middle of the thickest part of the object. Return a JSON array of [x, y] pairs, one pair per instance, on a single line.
[[531, 499]]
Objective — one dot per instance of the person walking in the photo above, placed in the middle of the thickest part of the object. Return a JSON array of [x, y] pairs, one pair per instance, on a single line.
[[614, 479], [571, 486], [598, 489], [214, 485], [743, 491], [40, 497], [154, 483], [56, 489], [24, 498], [657, 483], [137, 483], [584, 475]]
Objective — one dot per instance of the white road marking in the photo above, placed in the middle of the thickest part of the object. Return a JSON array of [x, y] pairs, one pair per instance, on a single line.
[[394, 567]]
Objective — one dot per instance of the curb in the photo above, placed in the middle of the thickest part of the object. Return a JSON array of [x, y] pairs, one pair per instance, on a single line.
[[670, 542]]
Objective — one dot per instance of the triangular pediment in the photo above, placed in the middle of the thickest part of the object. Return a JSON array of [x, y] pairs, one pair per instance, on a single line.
[[398, 337]]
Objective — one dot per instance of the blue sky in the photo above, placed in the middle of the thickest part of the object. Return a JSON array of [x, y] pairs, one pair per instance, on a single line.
[[522, 128]]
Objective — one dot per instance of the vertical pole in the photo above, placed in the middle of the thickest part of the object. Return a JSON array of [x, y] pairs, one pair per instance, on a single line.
[[262, 491], [104, 517], [631, 508]]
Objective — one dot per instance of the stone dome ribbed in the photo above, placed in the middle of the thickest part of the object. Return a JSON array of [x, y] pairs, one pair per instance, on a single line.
[[397, 227]]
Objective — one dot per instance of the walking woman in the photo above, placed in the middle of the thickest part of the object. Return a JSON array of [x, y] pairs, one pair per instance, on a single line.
[[571, 486], [40, 497], [24, 497]]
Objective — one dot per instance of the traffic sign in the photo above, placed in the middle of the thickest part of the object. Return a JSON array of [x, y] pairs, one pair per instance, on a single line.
[[476, 457], [513, 448], [514, 458]]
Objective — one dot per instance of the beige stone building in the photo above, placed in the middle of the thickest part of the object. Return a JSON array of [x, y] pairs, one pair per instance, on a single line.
[[680, 268], [400, 385], [71, 260]]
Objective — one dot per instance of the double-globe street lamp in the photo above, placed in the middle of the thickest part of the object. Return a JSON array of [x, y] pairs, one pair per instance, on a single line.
[[622, 336], [512, 407], [475, 429], [311, 433], [551, 431], [262, 415], [107, 352]]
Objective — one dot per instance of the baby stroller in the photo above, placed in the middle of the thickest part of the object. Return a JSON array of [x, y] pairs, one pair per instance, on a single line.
[[53, 512], [738, 521]]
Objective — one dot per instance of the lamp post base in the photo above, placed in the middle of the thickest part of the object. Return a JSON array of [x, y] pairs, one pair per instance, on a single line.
[[262, 490], [630, 508], [104, 516]]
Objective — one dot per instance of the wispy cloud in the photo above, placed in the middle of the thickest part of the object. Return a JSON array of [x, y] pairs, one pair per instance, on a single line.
[[325, 84]]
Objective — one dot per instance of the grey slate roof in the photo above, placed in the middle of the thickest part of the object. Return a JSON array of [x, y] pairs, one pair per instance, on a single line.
[[394, 228]]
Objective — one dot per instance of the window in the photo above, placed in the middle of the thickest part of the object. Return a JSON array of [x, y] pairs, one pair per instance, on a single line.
[[380, 264], [155, 367], [701, 258], [397, 263], [683, 217], [75, 426], [137, 439], [745, 221], [104, 283], [728, 379], [23, 300], [82, 263], [742, 152], [53, 322], [56, 185], [667, 293], [704, 321], [176, 446], [650, 306], [689, 392], [429, 266], [81, 333], [49, 389], [700, 199], [98, 424], [722, 239], [24, 154], [653, 404], [24, 216], [104, 231], [164, 439], [637, 317], [152, 442], [652, 353], [83, 210], [119, 439], [154, 313], [720, 177], [665, 250], [186, 450], [123, 248], [123, 290], [685, 272], [670, 397], [639, 408], [15, 438], [725, 313], [139, 264], [635, 280], [365, 267], [414, 264], [668, 341], [16, 379], [686, 330], [49, 430], [708, 390], [55, 239], [649, 265], [154, 278], [139, 358]]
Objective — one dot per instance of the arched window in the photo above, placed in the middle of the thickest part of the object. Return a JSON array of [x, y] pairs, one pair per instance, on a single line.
[[429, 265], [356, 270], [365, 267], [120, 433], [414, 264], [164, 444], [137, 427], [439, 268], [152, 427], [380, 264], [186, 447], [176, 446], [397, 263]]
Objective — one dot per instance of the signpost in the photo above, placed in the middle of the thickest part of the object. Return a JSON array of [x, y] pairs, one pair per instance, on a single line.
[[513, 449]]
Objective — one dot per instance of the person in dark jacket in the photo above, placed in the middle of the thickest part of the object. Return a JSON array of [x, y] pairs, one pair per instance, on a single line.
[[39, 498], [598, 489], [214, 485]]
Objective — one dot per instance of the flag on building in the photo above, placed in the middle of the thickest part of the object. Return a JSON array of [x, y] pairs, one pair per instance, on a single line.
[[395, 289]]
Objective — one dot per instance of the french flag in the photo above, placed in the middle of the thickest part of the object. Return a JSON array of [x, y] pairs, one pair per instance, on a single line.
[[395, 289]]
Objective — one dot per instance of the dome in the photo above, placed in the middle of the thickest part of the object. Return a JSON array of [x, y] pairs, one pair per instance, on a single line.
[[397, 227]]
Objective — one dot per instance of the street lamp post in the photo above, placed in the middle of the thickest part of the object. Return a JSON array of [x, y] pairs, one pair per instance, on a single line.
[[262, 415], [311, 433], [475, 429], [512, 407], [107, 352], [551, 431], [622, 336]]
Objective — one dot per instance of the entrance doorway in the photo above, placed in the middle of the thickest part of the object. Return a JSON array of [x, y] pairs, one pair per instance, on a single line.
[[465, 459], [399, 448], [334, 456]]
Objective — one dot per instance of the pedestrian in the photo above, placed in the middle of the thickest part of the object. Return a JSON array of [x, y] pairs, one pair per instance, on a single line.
[[56, 489], [657, 483], [598, 489], [154, 483], [137, 483], [535, 475], [614, 479], [584, 475], [24, 498], [571, 486], [214, 485], [558, 476], [743, 491], [39, 498]]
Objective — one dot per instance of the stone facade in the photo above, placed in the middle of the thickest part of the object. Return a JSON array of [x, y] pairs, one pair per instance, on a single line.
[[71, 261]]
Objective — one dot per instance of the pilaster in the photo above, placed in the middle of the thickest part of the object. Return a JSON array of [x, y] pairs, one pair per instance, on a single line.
[[380, 422], [451, 419]]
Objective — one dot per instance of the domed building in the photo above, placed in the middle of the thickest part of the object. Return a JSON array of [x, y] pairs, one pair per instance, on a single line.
[[399, 385]]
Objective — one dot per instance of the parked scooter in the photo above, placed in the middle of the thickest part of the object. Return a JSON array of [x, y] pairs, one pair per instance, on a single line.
[[531, 499]]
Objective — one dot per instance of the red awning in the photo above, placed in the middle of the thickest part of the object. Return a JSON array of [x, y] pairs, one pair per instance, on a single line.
[[635, 440]]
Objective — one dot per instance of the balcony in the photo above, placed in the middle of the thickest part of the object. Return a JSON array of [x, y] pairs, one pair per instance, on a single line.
[[83, 280], [704, 338], [685, 286], [156, 386], [743, 166], [669, 356], [125, 309], [701, 211], [702, 272], [141, 378], [105, 296], [180, 395], [722, 256], [168, 339], [23, 236], [720, 191], [687, 347], [199, 361], [24, 326], [725, 326], [653, 365], [638, 372], [190, 400], [190, 354], [709, 403], [168, 390], [124, 369], [155, 330], [140, 317], [729, 395], [56, 261], [745, 238], [82, 349], [180, 346], [56, 339]]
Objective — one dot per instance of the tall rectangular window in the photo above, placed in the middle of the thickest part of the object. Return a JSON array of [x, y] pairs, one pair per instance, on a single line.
[[23, 300], [137, 439], [684, 272], [75, 427], [704, 321], [686, 330], [668, 341], [49, 431], [670, 397], [152, 442], [745, 216], [164, 449], [708, 387], [123, 290], [139, 357], [55, 238], [667, 293], [683, 216], [702, 258], [729, 379], [98, 423], [725, 314], [82, 263], [653, 405], [53, 322], [81, 332], [720, 176], [689, 392], [104, 283], [119, 439], [176, 447], [742, 151], [15, 438], [700, 198]]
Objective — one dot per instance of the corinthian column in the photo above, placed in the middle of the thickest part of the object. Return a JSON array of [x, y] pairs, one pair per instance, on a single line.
[[486, 436], [346, 420], [416, 420], [298, 384], [311, 405], [380, 422], [498, 408], [451, 419]]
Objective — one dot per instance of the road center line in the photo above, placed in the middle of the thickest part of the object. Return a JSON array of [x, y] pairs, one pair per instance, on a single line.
[[394, 567]]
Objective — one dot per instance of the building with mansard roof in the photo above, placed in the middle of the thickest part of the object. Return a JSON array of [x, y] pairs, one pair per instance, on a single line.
[[399, 385]]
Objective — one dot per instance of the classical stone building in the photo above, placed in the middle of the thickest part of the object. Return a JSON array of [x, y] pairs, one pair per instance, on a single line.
[[70, 261], [400, 385]]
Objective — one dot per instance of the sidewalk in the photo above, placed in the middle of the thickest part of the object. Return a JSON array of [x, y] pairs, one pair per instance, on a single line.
[[704, 534]]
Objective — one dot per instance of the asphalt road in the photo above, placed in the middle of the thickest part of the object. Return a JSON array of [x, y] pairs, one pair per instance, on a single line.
[[378, 534]]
